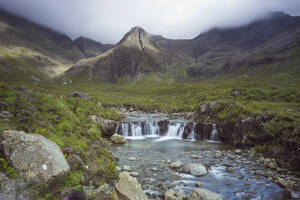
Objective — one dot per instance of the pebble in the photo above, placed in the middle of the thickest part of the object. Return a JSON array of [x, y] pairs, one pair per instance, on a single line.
[[132, 159], [195, 156], [238, 151], [127, 168], [134, 174], [198, 184]]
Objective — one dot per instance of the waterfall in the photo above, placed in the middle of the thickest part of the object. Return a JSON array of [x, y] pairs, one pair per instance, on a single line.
[[125, 129], [180, 131], [214, 133], [192, 134], [136, 130], [173, 130]]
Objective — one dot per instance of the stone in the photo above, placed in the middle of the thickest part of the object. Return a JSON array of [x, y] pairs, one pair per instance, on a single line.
[[288, 184], [230, 169], [127, 168], [22, 88], [195, 156], [196, 169], [163, 126], [134, 174], [128, 188], [79, 95], [238, 151], [174, 195], [235, 93], [108, 126], [75, 162], [154, 169], [34, 157], [118, 168], [6, 115], [14, 189], [176, 164], [204, 194], [118, 139], [132, 159], [198, 184]]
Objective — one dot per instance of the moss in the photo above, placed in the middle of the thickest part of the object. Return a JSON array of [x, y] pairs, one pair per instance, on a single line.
[[8, 170]]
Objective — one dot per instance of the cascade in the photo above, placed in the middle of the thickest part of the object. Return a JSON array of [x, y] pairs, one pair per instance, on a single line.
[[192, 134], [214, 133]]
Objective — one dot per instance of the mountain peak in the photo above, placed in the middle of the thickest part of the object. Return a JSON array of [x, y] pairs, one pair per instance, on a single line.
[[137, 37], [278, 14]]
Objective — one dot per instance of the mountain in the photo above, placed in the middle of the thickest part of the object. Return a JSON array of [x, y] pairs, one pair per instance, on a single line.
[[226, 49], [91, 48], [28, 49], [134, 54], [271, 40]]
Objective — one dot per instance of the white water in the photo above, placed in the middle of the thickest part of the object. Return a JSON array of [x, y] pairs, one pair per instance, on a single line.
[[150, 129], [192, 134]]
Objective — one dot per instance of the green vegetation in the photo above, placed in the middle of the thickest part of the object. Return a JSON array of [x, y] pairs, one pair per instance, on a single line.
[[9, 171], [66, 122]]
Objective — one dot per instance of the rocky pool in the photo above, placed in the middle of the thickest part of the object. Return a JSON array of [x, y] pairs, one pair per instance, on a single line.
[[151, 157]]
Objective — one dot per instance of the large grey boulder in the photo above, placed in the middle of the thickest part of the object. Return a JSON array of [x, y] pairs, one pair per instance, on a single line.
[[196, 169], [34, 157], [204, 194], [128, 188]]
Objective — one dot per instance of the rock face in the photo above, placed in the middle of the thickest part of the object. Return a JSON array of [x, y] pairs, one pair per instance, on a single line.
[[196, 169], [108, 127], [187, 130], [163, 126], [118, 139], [127, 188], [204, 194], [34, 157]]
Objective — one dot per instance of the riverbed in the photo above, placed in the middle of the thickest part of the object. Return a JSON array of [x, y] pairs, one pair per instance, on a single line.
[[231, 173]]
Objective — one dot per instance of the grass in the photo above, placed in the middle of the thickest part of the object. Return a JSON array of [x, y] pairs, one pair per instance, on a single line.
[[66, 122]]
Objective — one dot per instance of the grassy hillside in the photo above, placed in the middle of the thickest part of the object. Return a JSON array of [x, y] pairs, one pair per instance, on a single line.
[[64, 121]]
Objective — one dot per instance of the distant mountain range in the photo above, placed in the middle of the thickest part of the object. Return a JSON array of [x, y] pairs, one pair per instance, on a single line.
[[269, 45]]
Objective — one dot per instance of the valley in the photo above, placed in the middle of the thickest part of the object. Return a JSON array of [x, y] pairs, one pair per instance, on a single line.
[[152, 111]]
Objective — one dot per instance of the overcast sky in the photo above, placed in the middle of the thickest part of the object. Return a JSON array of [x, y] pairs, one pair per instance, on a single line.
[[108, 20]]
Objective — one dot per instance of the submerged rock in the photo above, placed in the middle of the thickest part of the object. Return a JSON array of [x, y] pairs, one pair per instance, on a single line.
[[204, 194], [128, 188], [196, 169], [118, 139], [34, 156], [174, 195], [176, 164]]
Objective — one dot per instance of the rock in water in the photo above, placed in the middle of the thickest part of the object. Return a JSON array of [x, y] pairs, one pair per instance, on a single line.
[[118, 139], [196, 169], [176, 164], [127, 188], [34, 157], [204, 194]]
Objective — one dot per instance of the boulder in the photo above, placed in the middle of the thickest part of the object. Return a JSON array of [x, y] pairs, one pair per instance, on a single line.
[[196, 169], [174, 195], [118, 139], [34, 157], [204, 194], [108, 127], [128, 188], [79, 95], [176, 164], [14, 189]]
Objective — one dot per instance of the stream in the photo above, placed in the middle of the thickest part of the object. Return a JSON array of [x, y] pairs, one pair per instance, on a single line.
[[231, 173]]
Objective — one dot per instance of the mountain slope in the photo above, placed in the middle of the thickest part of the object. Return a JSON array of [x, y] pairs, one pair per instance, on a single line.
[[273, 39], [28, 49], [225, 50], [134, 54]]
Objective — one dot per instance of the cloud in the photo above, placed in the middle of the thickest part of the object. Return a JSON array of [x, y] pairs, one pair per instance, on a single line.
[[108, 20]]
